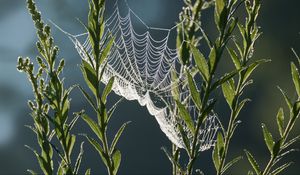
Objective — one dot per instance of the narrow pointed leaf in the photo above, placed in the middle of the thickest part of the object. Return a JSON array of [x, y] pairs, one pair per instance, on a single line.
[[171, 158], [90, 76], [287, 99], [234, 58], [174, 90], [98, 148], [185, 139], [290, 142], [253, 162], [116, 160], [296, 78], [224, 78], [228, 92], [276, 148], [107, 89], [93, 125], [280, 121], [117, 136], [106, 51], [220, 4], [201, 63], [216, 157], [241, 105], [281, 168], [268, 138], [231, 163], [194, 92], [248, 71], [88, 98], [88, 172], [78, 160], [185, 115]]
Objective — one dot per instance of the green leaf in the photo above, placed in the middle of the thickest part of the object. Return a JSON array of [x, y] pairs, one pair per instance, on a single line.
[[183, 50], [90, 76], [174, 89], [88, 98], [248, 71], [229, 164], [184, 114], [31, 172], [253, 162], [229, 93], [296, 78], [78, 160], [171, 158], [185, 139], [201, 63], [220, 144], [290, 142], [286, 98], [71, 139], [241, 105], [194, 92], [99, 149], [268, 138], [216, 157], [296, 109], [220, 4], [106, 51], [218, 150], [117, 136], [276, 148], [93, 125], [281, 168], [225, 78], [280, 121], [116, 156], [212, 59], [88, 172], [234, 58], [107, 89]]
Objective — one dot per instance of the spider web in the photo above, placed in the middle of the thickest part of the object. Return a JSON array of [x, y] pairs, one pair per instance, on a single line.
[[146, 69]]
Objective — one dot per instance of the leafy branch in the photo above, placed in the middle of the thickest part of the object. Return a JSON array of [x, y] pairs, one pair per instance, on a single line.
[[92, 69], [281, 147], [206, 67], [51, 104], [233, 91]]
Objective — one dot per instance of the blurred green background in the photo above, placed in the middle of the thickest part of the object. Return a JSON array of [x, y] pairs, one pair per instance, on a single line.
[[141, 143]]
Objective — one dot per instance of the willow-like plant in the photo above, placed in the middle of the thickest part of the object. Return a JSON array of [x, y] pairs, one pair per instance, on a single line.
[[51, 105], [92, 73], [232, 91], [207, 66], [280, 147]]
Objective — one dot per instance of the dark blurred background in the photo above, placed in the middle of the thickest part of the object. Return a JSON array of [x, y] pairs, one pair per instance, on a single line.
[[142, 141]]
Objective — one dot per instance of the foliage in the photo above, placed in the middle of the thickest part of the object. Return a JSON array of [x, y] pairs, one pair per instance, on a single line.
[[51, 105], [280, 147], [207, 67], [92, 73]]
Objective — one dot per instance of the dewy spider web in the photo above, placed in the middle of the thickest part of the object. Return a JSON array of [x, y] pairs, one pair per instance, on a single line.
[[147, 70]]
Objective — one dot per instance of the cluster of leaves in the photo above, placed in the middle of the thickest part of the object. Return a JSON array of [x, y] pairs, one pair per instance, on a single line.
[[92, 73], [282, 146], [206, 67], [51, 105], [50, 108], [233, 91]]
